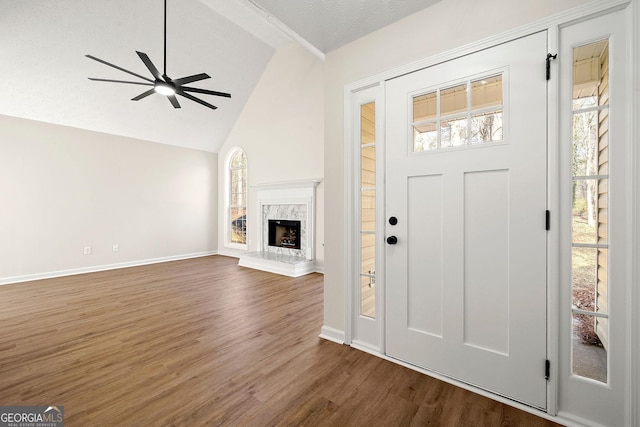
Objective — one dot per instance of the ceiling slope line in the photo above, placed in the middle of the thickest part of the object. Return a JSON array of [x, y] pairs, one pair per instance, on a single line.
[[279, 25]]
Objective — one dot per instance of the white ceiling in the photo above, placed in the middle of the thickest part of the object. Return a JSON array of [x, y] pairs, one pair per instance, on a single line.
[[45, 73], [330, 24]]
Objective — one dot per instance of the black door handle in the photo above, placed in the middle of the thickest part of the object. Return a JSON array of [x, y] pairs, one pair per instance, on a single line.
[[393, 220], [392, 240]]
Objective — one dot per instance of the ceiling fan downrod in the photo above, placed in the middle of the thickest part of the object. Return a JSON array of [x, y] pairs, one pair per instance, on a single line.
[[165, 39]]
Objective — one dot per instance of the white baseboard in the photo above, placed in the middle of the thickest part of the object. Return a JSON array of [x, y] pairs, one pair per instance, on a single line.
[[362, 346], [319, 269], [234, 253], [331, 334], [93, 269]]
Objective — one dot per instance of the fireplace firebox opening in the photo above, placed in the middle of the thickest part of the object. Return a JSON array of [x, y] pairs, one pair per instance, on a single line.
[[284, 233]]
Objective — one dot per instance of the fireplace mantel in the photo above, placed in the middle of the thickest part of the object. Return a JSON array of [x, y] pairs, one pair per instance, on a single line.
[[288, 185]]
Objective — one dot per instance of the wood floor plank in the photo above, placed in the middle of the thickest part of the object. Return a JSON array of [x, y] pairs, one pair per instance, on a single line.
[[203, 342]]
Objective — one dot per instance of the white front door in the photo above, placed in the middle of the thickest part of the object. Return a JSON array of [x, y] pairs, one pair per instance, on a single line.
[[466, 183]]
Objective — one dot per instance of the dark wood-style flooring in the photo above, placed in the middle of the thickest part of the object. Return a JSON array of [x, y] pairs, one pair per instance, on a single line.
[[203, 342]]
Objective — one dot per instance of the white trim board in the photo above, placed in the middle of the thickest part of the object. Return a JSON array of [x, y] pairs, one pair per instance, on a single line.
[[285, 29], [230, 252], [96, 268], [634, 394], [553, 235], [304, 183], [332, 334]]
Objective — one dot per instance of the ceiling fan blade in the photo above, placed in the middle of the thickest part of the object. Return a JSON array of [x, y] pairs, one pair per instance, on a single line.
[[118, 68], [180, 92], [149, 65], [119, 81], [190, 79], [143, 95], [174, 101], [205, 91]]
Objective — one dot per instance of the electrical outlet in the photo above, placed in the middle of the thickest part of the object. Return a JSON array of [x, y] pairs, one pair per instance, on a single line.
[[116, 247], [87, 250]]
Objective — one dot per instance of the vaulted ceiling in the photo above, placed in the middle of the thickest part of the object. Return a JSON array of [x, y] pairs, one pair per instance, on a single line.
[[45, 73]]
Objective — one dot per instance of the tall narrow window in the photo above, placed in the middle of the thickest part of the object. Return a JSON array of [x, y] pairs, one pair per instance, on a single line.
[[238, 198], [368, 209], [589, 231]]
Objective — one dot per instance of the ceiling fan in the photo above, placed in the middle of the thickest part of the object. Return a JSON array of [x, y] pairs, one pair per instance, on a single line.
[[163, 84]]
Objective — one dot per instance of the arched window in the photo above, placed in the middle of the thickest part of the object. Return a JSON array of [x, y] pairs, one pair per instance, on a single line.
[[237, 209]]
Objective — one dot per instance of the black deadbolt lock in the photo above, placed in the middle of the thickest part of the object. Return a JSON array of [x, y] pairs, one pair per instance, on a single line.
[[393, 220], [392, 240]]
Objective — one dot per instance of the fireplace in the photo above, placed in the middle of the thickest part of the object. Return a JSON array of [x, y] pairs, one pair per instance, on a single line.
[[285, 241], [284, 233]]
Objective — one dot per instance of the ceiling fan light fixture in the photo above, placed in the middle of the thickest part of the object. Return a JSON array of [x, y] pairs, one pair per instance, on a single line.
[[164, 88]]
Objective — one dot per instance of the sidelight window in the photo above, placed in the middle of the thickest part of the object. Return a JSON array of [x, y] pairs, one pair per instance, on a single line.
[[589, 231], [367, 210]]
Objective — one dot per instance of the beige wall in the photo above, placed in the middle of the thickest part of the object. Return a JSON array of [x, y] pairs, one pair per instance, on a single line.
[[62, 189], [444, 26], [281, 129]]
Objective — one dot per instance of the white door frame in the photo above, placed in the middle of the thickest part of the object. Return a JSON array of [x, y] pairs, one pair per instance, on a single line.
[[551, 25], [634, 63]]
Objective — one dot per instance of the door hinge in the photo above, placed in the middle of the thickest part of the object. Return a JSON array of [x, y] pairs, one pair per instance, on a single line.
[[547, 369], [547, 220], [549, 58]]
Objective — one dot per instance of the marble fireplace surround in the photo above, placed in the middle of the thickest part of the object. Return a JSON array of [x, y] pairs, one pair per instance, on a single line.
[[290, 212], [294, 200]]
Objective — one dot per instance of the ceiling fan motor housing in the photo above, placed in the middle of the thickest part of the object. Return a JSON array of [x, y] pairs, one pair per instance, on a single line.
[[164, 87]]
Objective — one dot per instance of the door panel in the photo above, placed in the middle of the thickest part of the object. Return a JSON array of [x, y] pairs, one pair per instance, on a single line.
[[466, 281], [424, 297], [486, 290]]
